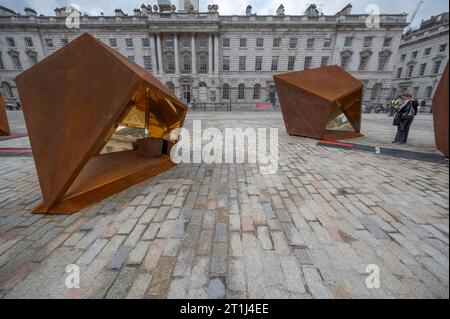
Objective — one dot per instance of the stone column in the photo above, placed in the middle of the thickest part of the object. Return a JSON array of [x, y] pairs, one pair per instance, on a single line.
[[216, 54], [154, 62], [176, 54], [160, 60], [193, 55], [210, 54]]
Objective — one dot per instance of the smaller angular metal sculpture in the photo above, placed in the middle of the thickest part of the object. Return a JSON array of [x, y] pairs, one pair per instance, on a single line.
[[440, 114], [74, 101], [4, 126], [323, 103]]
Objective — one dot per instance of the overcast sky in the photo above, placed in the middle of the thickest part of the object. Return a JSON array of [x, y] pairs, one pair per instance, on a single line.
[[226, 7]]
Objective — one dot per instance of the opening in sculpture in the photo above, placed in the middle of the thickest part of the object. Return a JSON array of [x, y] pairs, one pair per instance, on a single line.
[[323, 103], [75, 102]]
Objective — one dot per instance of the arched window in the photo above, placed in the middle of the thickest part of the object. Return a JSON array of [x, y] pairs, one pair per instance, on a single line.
[[257, 92], [376, 90], [7, 90], [226, 91], [241, 91], [170, 86]]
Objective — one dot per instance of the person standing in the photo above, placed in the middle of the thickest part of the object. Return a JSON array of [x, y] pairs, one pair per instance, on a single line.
[[404, 118]]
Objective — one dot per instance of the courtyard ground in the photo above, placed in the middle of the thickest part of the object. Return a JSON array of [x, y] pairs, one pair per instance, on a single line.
[[226, 230]]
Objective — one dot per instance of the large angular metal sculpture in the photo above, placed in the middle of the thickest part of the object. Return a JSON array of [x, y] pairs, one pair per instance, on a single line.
[[440, 114], [4, 126], [73, 102], [323, 103]]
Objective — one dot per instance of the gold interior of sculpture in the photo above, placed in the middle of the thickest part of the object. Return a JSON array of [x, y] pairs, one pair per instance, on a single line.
[[148, 114], [344, 115]]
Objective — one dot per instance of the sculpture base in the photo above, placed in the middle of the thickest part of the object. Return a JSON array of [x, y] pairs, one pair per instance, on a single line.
[[331, 135], [105, 175]]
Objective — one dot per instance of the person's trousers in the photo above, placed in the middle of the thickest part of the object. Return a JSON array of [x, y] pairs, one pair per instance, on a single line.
[[403, 131]]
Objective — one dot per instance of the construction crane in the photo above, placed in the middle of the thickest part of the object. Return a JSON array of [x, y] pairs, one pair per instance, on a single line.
[[413, 16]]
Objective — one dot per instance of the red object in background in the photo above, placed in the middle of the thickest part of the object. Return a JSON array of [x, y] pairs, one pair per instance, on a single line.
[[262, 106]]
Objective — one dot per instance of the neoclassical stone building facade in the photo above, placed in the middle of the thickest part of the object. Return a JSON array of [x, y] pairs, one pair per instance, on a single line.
[[421, 60], [212, 59]]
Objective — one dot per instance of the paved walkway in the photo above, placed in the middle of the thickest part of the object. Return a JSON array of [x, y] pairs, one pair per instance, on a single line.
[[212, 231]]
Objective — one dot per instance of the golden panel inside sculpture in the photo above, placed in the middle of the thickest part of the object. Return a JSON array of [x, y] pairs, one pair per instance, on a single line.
[[149, 114]]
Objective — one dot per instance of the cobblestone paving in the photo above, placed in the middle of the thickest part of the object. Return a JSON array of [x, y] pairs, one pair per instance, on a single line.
[[215, 231]]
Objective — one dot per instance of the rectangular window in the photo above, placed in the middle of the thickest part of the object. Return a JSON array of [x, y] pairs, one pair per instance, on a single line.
[[274, 66], [324, 61], [29, 42], [327, 43], [429, 91], [276, 42], [242, 60], [2, 66], [367, 42], [49, 43], [423, 67], [33, 59], [383, 61], [310, 43], [258, 63], [16, 62], [410, 71], [129, 42], [260, 43], [186, 62], [308, 62], [64, 41], [11, 42], [186, 43], [202, 43], [443, 47], [226, 63], [399, 73], [113, 43], [293, 43], [415, 91], [363, 63], [414, 55], [148, 62], [387, 42], [242, 43], [403, 58], [203, 63], [427, 52], [226, 43], [169, 43], [170, 63], [348, 41], [345, 61], [291, 63], [146, 43], [131, 58], [437, 67]]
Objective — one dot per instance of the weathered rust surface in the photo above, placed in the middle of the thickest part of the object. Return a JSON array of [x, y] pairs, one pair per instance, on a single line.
[[440, 114], [73, 102], [4, 126], [323, 103]]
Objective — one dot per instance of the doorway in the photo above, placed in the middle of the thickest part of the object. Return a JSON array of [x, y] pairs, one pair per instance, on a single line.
[[186, 93]]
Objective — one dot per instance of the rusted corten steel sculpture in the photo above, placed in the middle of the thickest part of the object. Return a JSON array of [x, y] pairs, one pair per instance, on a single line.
[[4, 126], [440, 114], [323, 103], [73, 102]]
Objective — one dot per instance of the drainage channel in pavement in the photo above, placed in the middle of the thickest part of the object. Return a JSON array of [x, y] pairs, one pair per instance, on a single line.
[[423, 157], [15, 152]]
